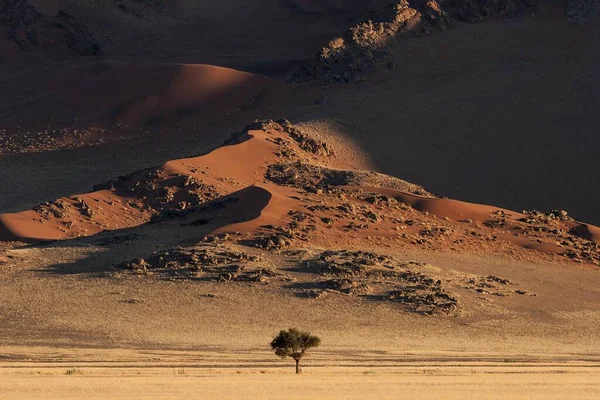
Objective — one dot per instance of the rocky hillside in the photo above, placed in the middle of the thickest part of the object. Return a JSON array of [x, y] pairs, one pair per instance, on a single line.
[[355, 55], [30, 30]]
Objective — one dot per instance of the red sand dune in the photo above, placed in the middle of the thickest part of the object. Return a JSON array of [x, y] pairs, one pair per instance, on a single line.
[[460, 211], [135, 94], [110, 210], [587, 231], [201, 187], [444, 208], [227, 169]]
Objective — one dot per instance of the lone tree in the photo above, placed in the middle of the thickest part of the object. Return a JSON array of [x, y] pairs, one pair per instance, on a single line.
[[294, 343]]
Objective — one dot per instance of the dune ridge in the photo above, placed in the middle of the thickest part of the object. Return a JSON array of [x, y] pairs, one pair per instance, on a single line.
[[134, 199]]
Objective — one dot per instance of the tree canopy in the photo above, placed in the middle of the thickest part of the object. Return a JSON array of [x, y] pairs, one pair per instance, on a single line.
[[294, 343]]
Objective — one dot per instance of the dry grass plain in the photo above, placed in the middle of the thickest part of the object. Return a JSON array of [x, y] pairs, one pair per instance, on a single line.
[[414, 381]]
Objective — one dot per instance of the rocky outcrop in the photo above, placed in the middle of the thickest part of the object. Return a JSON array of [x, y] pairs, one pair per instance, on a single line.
[[476, 10], [435, 16], [579, 11], [31, 30], [15, 18], [356, 54], [353, 56], [78, 38]]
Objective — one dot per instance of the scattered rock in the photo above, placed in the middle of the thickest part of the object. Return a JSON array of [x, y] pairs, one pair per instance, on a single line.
[[274, 242], [205, 262], [429, 301], [134, 301], [305, 142], [366, 273]]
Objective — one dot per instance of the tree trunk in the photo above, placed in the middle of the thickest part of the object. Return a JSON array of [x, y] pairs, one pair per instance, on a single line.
[[297, 366]]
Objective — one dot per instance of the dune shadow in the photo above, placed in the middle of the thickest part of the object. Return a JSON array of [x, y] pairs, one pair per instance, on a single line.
[[99, 259]]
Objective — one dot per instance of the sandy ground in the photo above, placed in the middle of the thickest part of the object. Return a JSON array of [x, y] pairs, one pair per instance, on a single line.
[[417, 381]]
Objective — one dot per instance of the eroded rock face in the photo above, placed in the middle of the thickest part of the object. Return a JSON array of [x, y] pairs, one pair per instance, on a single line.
[[31, 30]]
